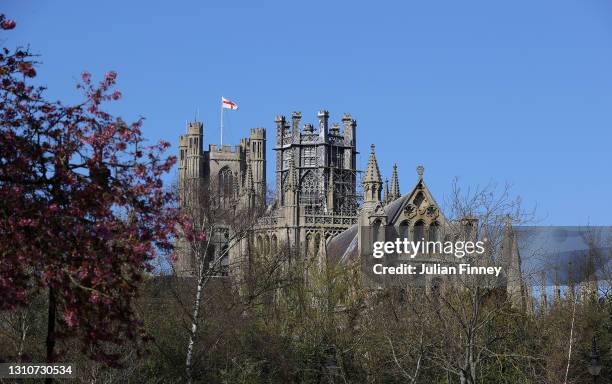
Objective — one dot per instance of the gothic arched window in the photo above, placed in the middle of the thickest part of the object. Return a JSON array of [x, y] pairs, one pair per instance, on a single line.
[[377, 231], [267, 245], [274, 241], [309, 189], [419, 230], [404, 230], [226, 184], [418, 199], [434, 230]]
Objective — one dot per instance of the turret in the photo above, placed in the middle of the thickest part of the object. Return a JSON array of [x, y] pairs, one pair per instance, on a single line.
[[372, 183], [280, 129], [296, 116], [323, 124], [191, 159], [257, 158], [349, 128], [350, 132], [295, 126]]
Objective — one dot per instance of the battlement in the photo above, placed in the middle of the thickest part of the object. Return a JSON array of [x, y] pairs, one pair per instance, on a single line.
[[346, 130], [195, 128], [225, 148], [258, 134]]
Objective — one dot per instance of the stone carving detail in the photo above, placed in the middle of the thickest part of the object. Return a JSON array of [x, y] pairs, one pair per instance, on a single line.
[[410, 211], [432, 211]]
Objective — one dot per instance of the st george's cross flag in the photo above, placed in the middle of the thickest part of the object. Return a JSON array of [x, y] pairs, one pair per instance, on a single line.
[[228, 103]]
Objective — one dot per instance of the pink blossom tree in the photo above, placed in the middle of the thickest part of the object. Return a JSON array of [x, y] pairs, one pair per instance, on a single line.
[[83, 210]]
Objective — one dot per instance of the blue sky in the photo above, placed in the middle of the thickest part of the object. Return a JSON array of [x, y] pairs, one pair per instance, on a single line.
[[487, 91]]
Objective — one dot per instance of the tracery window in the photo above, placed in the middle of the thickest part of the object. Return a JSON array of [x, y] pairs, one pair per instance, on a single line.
[[377, 231], [419, 230], [419, 199], [336, 158], [434, 232], [404, 230], [226, 184], [309, 189]]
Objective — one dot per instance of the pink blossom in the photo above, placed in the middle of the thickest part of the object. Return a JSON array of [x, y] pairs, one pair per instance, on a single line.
[[95, 297], [70, 317]]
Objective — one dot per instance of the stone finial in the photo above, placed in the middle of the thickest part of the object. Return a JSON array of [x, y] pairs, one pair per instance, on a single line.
[[387, 197], [420, 171], [308, 128], [395, 189], [335, 129]]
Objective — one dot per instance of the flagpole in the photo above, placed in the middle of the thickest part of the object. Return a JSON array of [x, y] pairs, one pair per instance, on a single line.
[[222, 122]]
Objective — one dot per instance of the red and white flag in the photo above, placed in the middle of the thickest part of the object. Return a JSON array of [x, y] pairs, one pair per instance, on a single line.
[[228, 103]]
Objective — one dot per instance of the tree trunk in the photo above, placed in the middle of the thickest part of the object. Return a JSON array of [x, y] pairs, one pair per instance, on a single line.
[[51, 329], [194, 327]]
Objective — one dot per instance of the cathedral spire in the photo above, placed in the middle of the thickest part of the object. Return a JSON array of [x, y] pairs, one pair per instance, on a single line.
[[372, 182], [372, 174], [395, 190]]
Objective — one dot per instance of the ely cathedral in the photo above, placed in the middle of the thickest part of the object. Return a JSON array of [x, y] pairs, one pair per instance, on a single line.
[[315, 195], [315, 208]]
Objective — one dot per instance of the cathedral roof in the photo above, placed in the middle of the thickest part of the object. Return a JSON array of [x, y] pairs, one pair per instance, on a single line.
[[344, 246]]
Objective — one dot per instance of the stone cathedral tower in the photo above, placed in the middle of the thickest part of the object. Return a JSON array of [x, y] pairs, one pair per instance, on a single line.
[[325, 162], [222, 167], [316, 181], [233, 176], [315, 187]]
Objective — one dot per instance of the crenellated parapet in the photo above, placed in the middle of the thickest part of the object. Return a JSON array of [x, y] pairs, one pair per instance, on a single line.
[[294, 133]]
